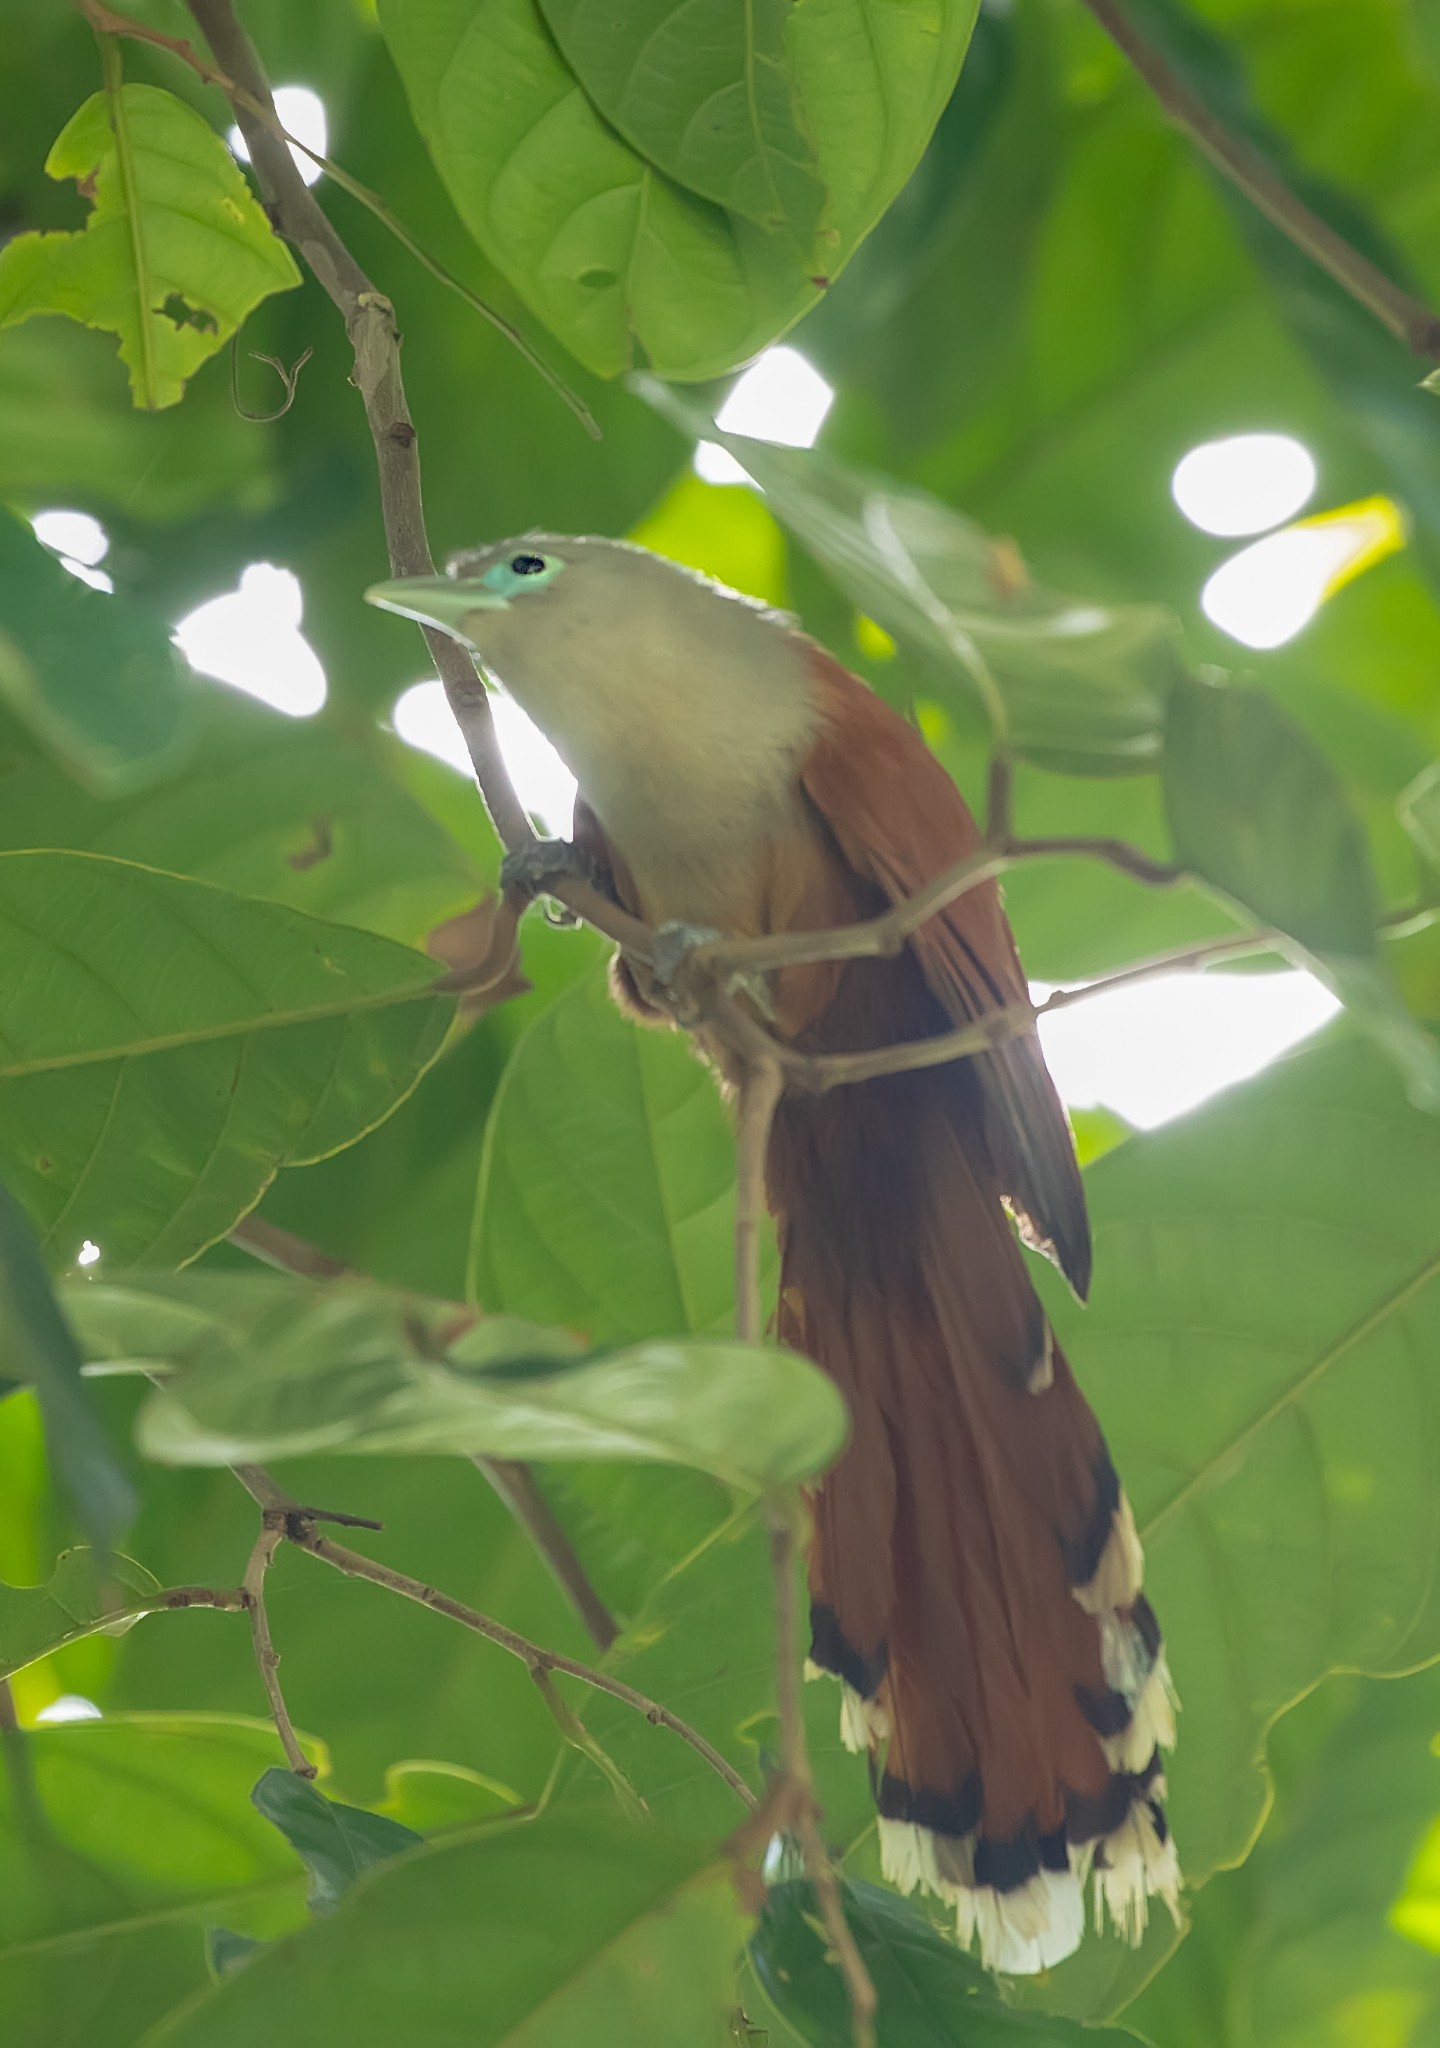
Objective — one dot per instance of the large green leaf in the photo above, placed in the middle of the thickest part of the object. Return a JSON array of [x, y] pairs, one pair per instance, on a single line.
[[177, 249], [296, 810], [93, 676], [278, 1368], [168, 1045], [688, 227], [608, 1189], [1307, 1945], [1081, 684], [119, 1839], [930, 1994], [1267, 1294], [541, 1933]]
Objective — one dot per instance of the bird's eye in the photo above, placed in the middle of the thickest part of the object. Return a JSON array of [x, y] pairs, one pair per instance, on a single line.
[[528, 565]]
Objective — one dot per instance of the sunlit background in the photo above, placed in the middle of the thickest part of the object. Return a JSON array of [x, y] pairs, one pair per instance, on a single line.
[[1147, 1053], [301, 114]]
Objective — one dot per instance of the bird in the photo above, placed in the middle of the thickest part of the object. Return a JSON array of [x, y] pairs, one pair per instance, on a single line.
[[974, 1567]]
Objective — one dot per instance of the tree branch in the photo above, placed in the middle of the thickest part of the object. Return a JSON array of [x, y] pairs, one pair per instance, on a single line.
[[517, 1487], [514, 1483], [370, 323], [536, 1660], [795, 1760], [267, 1657], [1409, 319]]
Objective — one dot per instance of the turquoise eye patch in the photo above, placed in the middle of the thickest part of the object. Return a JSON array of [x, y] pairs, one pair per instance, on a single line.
[[521, 572]]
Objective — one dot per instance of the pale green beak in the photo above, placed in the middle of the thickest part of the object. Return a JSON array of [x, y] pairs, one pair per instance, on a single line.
[[443, 601]]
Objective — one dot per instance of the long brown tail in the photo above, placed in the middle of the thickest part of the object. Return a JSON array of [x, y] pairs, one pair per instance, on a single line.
[[975, 1572]]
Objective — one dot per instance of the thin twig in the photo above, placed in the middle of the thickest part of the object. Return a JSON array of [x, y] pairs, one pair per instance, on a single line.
[[760, 1085], [818, 1072], [795, 1761], [289, 378], [267, 1657], [516, 1486], [883, 936], [759, 1093], [299, 1532], [282, 1248], [229, 1599], [1409, 319]]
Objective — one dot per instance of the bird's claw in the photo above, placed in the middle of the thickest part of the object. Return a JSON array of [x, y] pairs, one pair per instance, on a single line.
[[537, 867], [675, 941]]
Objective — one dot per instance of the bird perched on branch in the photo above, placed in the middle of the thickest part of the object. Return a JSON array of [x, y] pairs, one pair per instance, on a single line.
[[975, 1574]]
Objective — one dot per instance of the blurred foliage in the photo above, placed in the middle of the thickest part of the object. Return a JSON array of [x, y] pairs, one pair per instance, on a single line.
[[1031, 297]]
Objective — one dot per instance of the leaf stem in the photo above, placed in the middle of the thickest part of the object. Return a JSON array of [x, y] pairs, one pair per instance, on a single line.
[[536, 1660], [267, 1657], [795, 1761], [112, 74]]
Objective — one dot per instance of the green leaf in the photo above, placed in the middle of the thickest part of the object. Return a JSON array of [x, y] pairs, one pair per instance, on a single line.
[[42, 1349], [1257, 810], [1079, 685], [334, 1842], [1307, 1944], [93, 676], [930, 1994], [168, 1046], [687, 228], [276, 1368], [1267, 1295], [299, 811], [176, 250], [85, 1592], [544, 1932], [703, 91], [607, 1195], [118, 1839]]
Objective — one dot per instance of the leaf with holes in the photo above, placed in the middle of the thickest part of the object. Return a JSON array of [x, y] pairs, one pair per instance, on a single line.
[[688, 226], [176, 250], [85, 1592], [166, 1046]]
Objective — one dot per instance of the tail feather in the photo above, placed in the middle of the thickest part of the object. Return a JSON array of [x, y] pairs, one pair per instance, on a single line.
[[975, 1572]]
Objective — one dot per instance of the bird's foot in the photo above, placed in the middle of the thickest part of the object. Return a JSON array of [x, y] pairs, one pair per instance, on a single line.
[[544, 862], [676, 940]]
